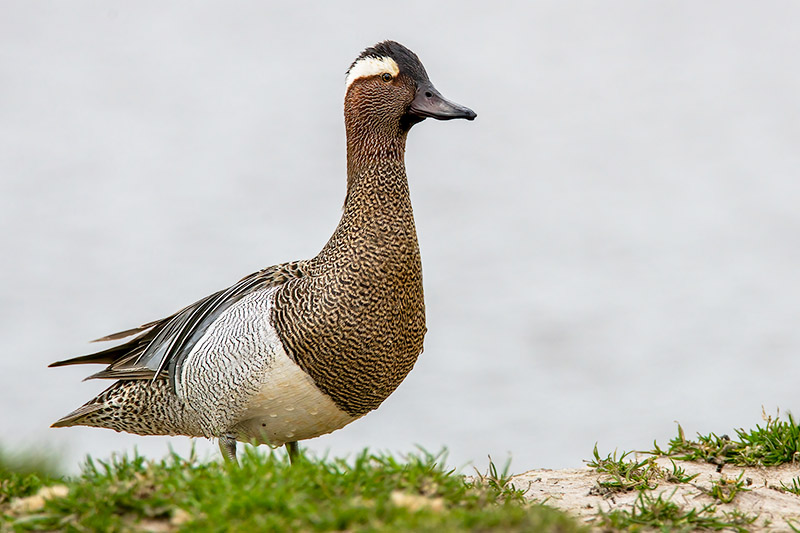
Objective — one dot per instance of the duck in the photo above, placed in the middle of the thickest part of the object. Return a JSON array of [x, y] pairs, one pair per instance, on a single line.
[[299, 349]]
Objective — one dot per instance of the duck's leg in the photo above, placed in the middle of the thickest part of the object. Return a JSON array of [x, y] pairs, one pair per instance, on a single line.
[[227, 445], [293, 450]]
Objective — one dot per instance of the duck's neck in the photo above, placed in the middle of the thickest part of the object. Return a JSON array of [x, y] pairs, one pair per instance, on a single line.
[[377, 210], [376, 175]]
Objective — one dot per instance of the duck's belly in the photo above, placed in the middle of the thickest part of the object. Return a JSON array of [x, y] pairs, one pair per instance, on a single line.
[[288, 407]]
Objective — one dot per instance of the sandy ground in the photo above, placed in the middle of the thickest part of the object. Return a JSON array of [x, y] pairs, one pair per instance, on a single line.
[[576, 491]]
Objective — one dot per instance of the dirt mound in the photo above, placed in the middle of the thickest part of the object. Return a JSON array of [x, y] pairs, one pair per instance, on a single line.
[[760, 492]]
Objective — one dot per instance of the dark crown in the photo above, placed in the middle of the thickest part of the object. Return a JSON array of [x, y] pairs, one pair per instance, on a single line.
[[407, 60]]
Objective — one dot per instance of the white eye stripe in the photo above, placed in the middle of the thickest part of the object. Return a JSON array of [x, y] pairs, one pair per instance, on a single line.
[[371, 66]]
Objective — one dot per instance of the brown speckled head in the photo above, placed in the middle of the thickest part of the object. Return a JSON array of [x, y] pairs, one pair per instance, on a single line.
[[388, 83]]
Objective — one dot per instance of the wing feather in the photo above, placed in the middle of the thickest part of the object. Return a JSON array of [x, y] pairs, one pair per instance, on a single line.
[[162, 345]]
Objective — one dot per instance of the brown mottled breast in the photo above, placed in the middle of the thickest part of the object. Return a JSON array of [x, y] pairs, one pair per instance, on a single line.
[[356, 322]]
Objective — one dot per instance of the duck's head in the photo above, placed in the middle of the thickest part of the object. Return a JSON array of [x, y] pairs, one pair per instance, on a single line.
[[387, 87]]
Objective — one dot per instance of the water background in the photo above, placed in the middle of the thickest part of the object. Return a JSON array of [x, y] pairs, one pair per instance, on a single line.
[[613, 245]]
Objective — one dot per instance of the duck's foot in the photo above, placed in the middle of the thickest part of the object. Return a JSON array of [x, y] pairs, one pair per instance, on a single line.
[[294, 451], [227, 445]]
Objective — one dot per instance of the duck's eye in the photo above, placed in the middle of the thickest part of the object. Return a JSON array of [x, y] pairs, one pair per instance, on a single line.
[[386, 77]]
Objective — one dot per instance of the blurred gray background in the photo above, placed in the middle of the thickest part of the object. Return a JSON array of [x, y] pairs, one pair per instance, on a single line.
[[613, 245]]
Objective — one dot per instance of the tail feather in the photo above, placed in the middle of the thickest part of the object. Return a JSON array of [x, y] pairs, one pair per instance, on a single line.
[[115, 354], [138, 407], [99, 358], [133, 373], [128, 332], [73, 419]]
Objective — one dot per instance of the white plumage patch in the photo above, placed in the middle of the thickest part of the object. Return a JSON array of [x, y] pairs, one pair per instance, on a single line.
[[371, 66]]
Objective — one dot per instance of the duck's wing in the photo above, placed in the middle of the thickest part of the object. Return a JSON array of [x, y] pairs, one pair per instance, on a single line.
[[161, 344]]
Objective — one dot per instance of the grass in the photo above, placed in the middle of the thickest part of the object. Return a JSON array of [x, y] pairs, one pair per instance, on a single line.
[[658, 511], [776, 443], [24, 474], [372, 492], [725, 490], [654, 512], [794, 488], [378, 492], [622, 475]]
